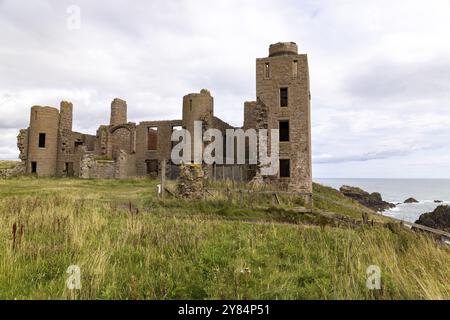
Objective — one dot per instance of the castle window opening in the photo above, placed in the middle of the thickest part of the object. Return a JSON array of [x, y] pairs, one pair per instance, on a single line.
[[41, 140], [267, 70], [77, 144], [285, 168], [34, 167], [152, 167], [190, 105], [68, 169], [35, 115], [152, 138], [177, 128], [284, 97], [284, 130]]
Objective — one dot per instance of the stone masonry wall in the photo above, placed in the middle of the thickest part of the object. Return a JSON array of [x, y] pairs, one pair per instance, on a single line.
[[43, 120], [283, 75], [249, 115], [164, 145], [96, 169], [121, 139], [66, 115], [19, 169], [118, 112], [22, 145]]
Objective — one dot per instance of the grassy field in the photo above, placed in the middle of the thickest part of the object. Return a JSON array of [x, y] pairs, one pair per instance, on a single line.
[[131, 245]]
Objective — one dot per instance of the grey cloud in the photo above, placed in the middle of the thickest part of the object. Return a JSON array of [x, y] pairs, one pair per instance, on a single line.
[[360, 157], [389, 81], [367, 107]]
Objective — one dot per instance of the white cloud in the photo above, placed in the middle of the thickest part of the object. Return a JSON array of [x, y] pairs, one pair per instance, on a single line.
[[379, 70]]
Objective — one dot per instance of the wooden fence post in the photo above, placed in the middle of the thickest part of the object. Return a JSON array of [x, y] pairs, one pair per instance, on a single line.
[[241, 198], [275, 199]]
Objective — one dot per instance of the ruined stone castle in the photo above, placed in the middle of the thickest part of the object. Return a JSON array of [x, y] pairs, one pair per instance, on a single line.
[[50, 147]]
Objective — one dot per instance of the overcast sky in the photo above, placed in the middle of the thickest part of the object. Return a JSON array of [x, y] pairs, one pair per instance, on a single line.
[[380, 70]]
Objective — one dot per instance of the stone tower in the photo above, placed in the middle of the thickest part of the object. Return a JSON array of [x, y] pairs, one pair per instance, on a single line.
[[118, 112], [197, 107], [43, 141], [282, 89], [65, 145]]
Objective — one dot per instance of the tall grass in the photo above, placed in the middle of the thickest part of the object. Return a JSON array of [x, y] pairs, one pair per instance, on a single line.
[[172, 250], [8, 164]]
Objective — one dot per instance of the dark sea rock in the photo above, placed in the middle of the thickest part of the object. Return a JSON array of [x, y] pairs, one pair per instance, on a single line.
[[438, 219], [411, 200], [438, 201], [370, 200]]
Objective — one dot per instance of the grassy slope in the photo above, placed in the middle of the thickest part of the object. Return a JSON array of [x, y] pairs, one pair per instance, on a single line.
[[7, 164], [176, 249]]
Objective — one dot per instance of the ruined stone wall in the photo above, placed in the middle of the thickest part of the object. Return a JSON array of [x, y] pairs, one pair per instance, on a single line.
[[121, 165], [63, 149], [19, 169], [289, 70], [218, 123], [190, 183], [22, 145], [66, 116], [125, 165], [236, 172], [198, 107], [122, 138], [102, 140], [109, 140], [94, 167], [164, 143], [72, 146], [89, 141], [128, 143], [65, 140], [90, 168], [249, 115]]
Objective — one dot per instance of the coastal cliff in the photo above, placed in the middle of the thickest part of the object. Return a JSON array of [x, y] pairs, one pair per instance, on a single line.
[[438, 219]]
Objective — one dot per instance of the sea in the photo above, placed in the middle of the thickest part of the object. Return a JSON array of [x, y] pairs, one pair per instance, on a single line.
[[396, 191]]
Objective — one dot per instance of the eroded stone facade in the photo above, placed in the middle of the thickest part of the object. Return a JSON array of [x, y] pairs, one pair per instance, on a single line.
[[49, 146]]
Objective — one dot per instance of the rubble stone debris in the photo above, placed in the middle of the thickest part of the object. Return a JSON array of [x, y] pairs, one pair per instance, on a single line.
[[190, 183]]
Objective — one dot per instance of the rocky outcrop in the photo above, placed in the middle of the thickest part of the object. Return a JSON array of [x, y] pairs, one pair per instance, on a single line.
[[411, 200], [438, 201], [190, 181], [373, 200], [438, 219]]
